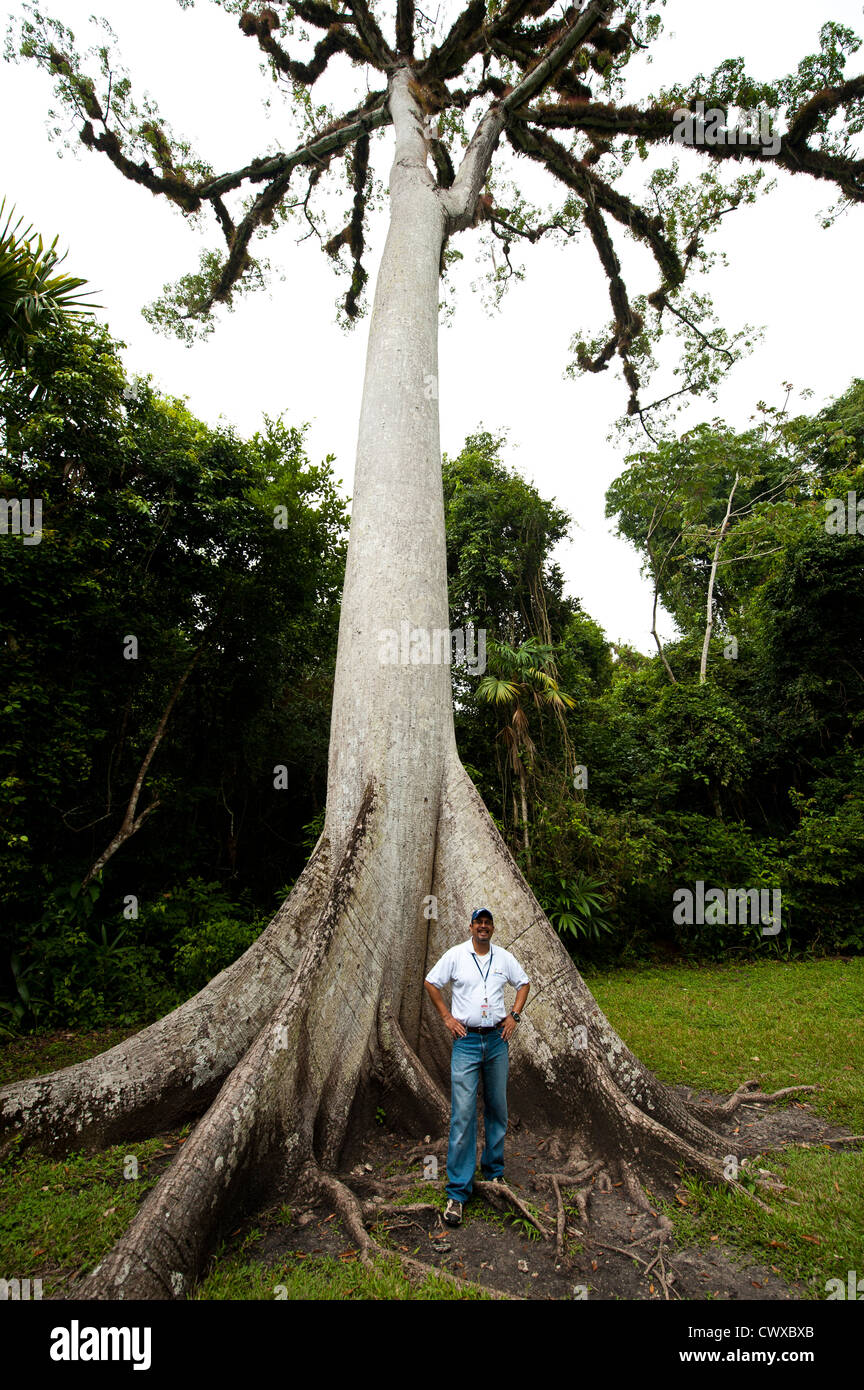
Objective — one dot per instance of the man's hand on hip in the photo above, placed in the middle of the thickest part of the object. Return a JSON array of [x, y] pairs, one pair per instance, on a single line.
[[508, 1027], [453, 1026]]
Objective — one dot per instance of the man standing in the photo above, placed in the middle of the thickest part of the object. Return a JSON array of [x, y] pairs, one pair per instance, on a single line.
[[481, 1028]]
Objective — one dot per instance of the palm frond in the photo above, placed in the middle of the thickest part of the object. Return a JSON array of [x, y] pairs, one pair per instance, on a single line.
[[497, 691], [520, 722], [33, 295]]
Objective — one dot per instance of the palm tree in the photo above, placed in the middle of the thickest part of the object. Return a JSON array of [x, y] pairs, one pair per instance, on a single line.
[[516, 676], [32, 294]]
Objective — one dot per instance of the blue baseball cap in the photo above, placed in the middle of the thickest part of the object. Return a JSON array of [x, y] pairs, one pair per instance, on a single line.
[[482, 912]]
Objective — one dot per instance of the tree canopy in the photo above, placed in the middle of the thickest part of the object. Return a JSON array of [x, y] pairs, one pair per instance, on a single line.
[[555, 85]]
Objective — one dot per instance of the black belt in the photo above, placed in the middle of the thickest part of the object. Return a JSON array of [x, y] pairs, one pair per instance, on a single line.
[[492, 1029]]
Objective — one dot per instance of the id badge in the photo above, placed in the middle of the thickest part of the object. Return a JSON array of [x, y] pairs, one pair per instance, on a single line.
[[485, 1013]]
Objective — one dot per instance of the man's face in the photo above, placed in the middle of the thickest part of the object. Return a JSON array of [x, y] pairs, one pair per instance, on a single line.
[[481, 931]]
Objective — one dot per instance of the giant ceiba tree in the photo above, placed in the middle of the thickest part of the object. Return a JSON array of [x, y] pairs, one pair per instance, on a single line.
[[278, 1054]]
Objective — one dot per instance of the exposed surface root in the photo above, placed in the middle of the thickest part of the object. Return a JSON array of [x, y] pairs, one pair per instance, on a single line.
[[581, 1199], [433, 1146], [352, 1213], [748, 1092], [595, 1179], [751, 1196], [560, 1220], [846, 1139], [494, 1192], [662, 1232], [579, 1186], [637, 1196], [569, 1178], [377, 1184], [630, 1253], [373, 1210], [663, 1277], [620, 1250]]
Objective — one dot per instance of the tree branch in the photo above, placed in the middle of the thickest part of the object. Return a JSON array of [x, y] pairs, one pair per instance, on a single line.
[[321, 148], [367, 27], [659, 123], [131, 823], [587, 183], [461, 199], [373, 114], [405, 27], [338, 39]]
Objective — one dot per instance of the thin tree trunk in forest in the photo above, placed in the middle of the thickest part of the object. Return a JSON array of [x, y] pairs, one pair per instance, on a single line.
[[709, 603], [654, 631], [656, 637], [526, 844], [132, 822]]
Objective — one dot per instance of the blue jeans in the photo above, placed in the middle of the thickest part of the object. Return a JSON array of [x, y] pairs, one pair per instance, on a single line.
[[476, 1055]]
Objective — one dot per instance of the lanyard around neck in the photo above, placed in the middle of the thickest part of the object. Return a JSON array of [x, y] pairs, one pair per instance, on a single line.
[[483, 977]]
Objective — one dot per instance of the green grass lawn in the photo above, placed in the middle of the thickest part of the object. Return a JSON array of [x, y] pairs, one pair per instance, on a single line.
[[315, 1277], [708, 1027], [799, 1023], [712, 1027], [35, 1056], [59, 1217]]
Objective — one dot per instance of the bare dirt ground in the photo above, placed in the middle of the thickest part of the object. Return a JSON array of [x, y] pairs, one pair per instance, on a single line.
[[617, 1254]]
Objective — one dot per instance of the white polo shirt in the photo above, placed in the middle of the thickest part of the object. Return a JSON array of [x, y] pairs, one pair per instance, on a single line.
[[475, 978]]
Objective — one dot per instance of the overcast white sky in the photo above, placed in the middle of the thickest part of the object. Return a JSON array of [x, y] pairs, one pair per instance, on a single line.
[[281, 352]]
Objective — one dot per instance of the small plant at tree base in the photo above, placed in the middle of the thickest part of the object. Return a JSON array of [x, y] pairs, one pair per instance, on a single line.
[[525, 1228]]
